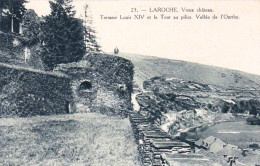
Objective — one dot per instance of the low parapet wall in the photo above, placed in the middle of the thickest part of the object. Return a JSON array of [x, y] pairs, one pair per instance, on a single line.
[[27, 92]]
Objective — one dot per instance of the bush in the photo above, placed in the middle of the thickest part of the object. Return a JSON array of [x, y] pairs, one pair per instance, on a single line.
[[254, 146], [253, 121], [8, 104]]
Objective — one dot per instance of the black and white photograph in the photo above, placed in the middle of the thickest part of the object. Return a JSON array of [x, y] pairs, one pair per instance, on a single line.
[[129, 83]]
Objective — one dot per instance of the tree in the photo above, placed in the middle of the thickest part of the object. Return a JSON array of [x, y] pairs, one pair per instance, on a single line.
[[31, 39], [11, 13], [3, 4], [63, 35], [90, 33], [31, 28]]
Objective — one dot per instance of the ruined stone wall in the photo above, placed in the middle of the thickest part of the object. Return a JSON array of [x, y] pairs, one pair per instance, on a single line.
[[111, 79], [27, 92], [114, 76]]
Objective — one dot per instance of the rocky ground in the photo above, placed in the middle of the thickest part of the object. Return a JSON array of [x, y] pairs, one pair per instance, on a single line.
[[180, 106], [190, 110], [180, 96]]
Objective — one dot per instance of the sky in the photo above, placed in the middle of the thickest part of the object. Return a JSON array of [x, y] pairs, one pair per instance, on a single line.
[[229, 43]]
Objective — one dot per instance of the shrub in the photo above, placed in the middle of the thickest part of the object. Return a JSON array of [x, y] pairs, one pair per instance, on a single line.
[[253, 121]]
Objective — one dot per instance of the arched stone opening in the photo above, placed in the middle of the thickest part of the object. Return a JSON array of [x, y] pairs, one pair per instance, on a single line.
[[85, 86]]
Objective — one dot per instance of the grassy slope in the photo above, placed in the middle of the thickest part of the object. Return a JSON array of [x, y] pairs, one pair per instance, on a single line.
[[64, 140], [147, 67]]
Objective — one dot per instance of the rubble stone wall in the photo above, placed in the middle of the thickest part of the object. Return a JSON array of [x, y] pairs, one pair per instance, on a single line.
[[111, 84], [27, 92]]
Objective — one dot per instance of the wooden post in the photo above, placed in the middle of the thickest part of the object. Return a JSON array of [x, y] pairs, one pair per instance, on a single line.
[[27, 54], [12, 20], [20, 29]]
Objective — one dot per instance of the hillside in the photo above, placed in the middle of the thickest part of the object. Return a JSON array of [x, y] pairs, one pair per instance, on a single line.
[[193, 102], [171, 86], [147, 67]]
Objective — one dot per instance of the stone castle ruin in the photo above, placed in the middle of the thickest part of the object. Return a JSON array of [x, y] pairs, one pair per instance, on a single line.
[[100, 83]]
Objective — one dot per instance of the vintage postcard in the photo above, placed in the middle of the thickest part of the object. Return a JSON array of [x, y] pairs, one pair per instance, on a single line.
[[129, 83]]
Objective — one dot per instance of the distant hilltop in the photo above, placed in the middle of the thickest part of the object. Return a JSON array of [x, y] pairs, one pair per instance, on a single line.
[[147, 67]]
